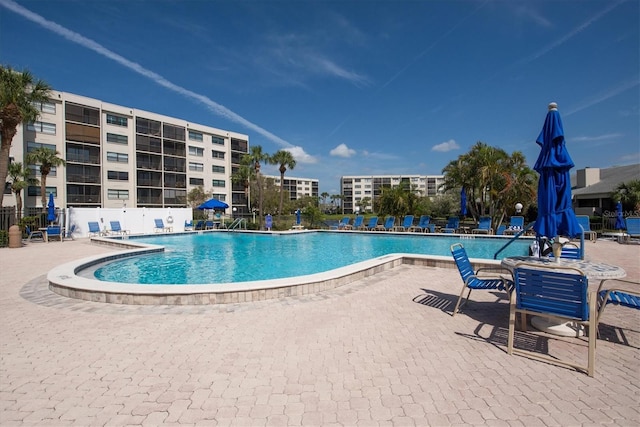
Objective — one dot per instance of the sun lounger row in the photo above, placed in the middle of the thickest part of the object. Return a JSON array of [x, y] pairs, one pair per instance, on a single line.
[[389, 224]]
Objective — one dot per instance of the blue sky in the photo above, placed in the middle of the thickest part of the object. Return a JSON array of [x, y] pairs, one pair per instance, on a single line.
[[353, 87]]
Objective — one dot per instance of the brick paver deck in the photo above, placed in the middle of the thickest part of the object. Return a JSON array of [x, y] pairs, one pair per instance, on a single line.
[[380, 351]]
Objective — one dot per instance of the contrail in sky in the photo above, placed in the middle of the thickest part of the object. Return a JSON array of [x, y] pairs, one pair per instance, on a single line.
[[213, 106]]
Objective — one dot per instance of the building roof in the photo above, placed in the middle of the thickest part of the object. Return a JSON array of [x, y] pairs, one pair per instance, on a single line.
[[610, 178]]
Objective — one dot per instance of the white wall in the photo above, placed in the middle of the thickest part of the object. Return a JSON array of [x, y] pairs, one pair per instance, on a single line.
[[136, 220]]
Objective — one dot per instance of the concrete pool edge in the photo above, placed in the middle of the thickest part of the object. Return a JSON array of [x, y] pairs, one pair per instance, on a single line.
[[64, 280]]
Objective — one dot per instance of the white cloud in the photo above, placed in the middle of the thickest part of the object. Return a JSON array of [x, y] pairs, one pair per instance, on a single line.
[[605, 137], [343, 151], [446, 146], [300, 155]]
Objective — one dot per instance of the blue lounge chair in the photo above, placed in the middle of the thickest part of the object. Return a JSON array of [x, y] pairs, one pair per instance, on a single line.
[[633, 227], [517, 222], [357, 223], [372, 224], [94, 229], [344, 223], [388, 224], [209, 225], [561, 293], [583, 220], [407, 222], [452, 225], [70, 231], [160, 227], [501, 229], [626, 296], [54, 231], [484, 226], [199, 225], [423, 225], [117, 229], [33, 234], [471, 279], [188, 225]]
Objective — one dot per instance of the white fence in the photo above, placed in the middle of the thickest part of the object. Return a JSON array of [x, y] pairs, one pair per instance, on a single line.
[[136, 220]]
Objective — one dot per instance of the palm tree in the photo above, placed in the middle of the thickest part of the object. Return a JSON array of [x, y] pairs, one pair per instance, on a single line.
[[18, 93], [256, 156], [46, 158], [285, 159], [629, 194], [20, 178], [324, 196], [243, 175]]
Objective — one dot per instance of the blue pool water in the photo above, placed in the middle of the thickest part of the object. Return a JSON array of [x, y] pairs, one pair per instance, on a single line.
[[238, 257]]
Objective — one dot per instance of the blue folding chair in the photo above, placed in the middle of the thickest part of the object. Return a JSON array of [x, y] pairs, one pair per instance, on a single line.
[[54, 231], [471, 279], [557, 293], [622, 296], [33, 234]]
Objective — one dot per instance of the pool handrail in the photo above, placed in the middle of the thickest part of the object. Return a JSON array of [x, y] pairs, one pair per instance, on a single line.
[[514, 238]]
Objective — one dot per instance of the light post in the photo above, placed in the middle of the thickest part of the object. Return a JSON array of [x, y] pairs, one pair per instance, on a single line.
[[518, 207]]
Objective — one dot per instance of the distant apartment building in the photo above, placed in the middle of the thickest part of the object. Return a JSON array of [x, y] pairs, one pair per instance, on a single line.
[[118, 156], [297, 187], [354, 188]]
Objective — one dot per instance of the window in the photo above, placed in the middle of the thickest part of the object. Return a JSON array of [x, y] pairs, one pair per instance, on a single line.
[[197, 167], [42, 127], [218, 183], [35, 170], [33, 145], [117, 176], [219, 196], [82, 133], [82, 114], [217, 169], [112, 119], [117, 139], [196, 181], [117, 194], [217, 154], [117, 157], [45, 107], [34, 190], [195, 136], [217, 140], [173, 132], [148, 143], [147, 126], [196, 151]]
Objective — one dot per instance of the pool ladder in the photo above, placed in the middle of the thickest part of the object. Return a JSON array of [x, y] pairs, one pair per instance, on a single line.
[[237, 223]]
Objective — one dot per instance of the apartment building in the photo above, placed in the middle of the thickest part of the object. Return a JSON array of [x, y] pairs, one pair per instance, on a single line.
[[118, 156], [297, 187], [354, 188]]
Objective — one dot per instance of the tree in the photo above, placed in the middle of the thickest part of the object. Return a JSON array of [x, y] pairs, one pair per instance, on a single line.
[[285, 159], [629, 194], [243, 175], [493, 178], [197, 196], [257, 157], [19, 91], [21, 178], [46, 158], [324, 196], [363, 203], [396, 201]]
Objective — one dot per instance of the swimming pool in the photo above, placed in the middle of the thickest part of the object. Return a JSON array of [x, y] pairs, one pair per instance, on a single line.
[[208, 258]]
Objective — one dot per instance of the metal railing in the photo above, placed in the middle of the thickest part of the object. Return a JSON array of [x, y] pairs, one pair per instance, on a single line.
[[237, 223], [513, 239]]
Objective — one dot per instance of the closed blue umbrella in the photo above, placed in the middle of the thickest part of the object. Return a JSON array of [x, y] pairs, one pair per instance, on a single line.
[[619, 217], [51, 209], [298, 217], [463, 202], [555, 214], [213, 204]]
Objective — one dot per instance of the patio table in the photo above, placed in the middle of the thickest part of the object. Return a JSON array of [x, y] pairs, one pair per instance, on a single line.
[[595, 272]]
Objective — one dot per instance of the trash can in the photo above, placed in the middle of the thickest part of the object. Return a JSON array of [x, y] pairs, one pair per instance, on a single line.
[[15, 237]]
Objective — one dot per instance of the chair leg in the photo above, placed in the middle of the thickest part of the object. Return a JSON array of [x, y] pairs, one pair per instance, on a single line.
[[458, 305], [512, 328]]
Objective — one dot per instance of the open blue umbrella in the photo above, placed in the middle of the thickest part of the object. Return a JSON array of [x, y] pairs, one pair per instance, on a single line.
[[51, 209], [463, 202], [619, 217], [555, 214], [213, 204]]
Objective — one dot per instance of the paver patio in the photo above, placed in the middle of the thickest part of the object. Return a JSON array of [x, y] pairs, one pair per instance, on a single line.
[[380, 351]]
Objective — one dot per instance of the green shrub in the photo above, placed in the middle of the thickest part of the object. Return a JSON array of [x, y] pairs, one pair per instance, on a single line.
[[4, 239]]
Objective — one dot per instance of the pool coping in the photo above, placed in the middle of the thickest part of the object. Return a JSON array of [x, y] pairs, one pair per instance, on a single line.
[[64, 279]]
